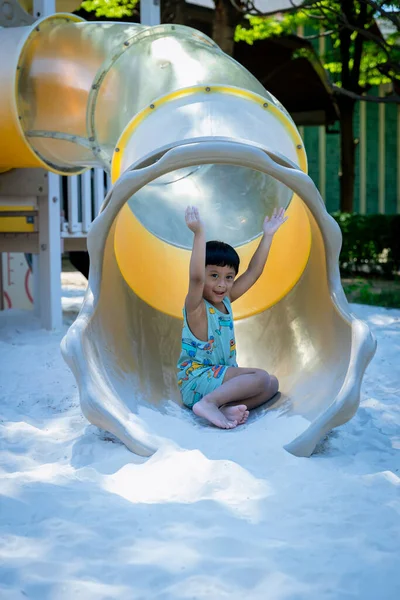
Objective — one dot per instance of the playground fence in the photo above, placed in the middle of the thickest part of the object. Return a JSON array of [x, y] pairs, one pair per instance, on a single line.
[[81, 200]]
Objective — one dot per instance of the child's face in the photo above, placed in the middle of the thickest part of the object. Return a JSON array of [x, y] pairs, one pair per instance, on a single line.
[[218, 283]]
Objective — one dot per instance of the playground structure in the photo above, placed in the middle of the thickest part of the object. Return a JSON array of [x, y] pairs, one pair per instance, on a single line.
[[176, 121], [41, 213]]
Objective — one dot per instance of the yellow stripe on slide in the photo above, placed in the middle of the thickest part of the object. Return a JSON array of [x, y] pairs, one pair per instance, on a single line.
[[117, 166], [158, 272]]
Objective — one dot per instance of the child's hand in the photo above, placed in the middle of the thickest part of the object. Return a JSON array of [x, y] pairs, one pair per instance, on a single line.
[[271, 225], [192, 218]]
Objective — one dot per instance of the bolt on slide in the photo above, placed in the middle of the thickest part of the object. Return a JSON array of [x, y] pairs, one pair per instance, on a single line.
[[176, 121]]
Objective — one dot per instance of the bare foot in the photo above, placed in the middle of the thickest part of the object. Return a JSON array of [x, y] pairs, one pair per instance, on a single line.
[[236, 413], [208, 410]]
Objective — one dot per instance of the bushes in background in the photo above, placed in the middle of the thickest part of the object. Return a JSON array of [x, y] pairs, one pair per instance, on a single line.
[[371, 244]]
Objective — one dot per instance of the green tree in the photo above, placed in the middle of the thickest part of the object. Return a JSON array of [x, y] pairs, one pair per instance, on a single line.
[[362, 51], [111, 9], [362, 48], [227, 15], [227, 18]]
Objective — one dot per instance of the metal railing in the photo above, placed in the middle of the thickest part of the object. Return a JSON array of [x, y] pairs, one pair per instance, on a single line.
[[82, 197]]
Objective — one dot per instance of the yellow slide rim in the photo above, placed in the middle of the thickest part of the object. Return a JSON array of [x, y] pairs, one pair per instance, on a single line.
[[117, 159], [157, 272], [20, 147]]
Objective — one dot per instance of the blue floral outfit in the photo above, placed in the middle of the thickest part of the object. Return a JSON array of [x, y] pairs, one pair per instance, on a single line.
[[202, 365]]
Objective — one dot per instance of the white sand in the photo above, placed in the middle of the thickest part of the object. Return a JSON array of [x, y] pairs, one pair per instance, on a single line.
[[214, 516]]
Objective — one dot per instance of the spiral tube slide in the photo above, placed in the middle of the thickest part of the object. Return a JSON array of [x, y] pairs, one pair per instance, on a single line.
[[178, 122]]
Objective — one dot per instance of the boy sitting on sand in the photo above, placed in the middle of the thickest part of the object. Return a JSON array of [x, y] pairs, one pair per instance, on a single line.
[[211, 382]]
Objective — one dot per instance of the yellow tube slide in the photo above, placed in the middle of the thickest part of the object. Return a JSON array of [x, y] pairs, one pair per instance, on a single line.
[[83, 94]]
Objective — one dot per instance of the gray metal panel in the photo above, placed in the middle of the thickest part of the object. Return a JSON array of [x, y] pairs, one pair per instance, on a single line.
[[75, 244], [24, 182], [19, 242]]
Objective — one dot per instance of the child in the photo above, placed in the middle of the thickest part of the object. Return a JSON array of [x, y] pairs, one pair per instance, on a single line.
[[211, 382]]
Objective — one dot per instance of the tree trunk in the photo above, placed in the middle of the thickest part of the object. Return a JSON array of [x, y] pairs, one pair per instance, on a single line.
[[347, 154], [226, 17], [173, 11]]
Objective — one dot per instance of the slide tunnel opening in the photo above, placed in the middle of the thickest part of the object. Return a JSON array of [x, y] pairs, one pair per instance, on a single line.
[[233, 202], [153, 244]]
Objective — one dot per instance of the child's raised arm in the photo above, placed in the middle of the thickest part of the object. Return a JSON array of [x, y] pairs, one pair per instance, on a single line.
[[197, 260], [257, 263]]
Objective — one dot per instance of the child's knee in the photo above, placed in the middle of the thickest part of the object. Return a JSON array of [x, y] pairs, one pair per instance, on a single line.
[[267, 382], [274, 385], [263, 380]]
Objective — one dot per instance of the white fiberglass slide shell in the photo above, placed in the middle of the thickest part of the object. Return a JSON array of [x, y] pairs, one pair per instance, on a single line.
[[175, 119], [123, 352]]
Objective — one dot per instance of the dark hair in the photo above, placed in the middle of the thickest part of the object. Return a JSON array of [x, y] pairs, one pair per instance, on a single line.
[[222, 255]]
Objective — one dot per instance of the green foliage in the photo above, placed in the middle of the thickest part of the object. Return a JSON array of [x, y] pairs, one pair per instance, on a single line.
[[260, 28], [370, 256], [325, 16], [111, 9], [371, 244], [374, 292]]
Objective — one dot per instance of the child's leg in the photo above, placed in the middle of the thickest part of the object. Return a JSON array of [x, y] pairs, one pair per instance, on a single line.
[[248, 387], [271, 388]]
